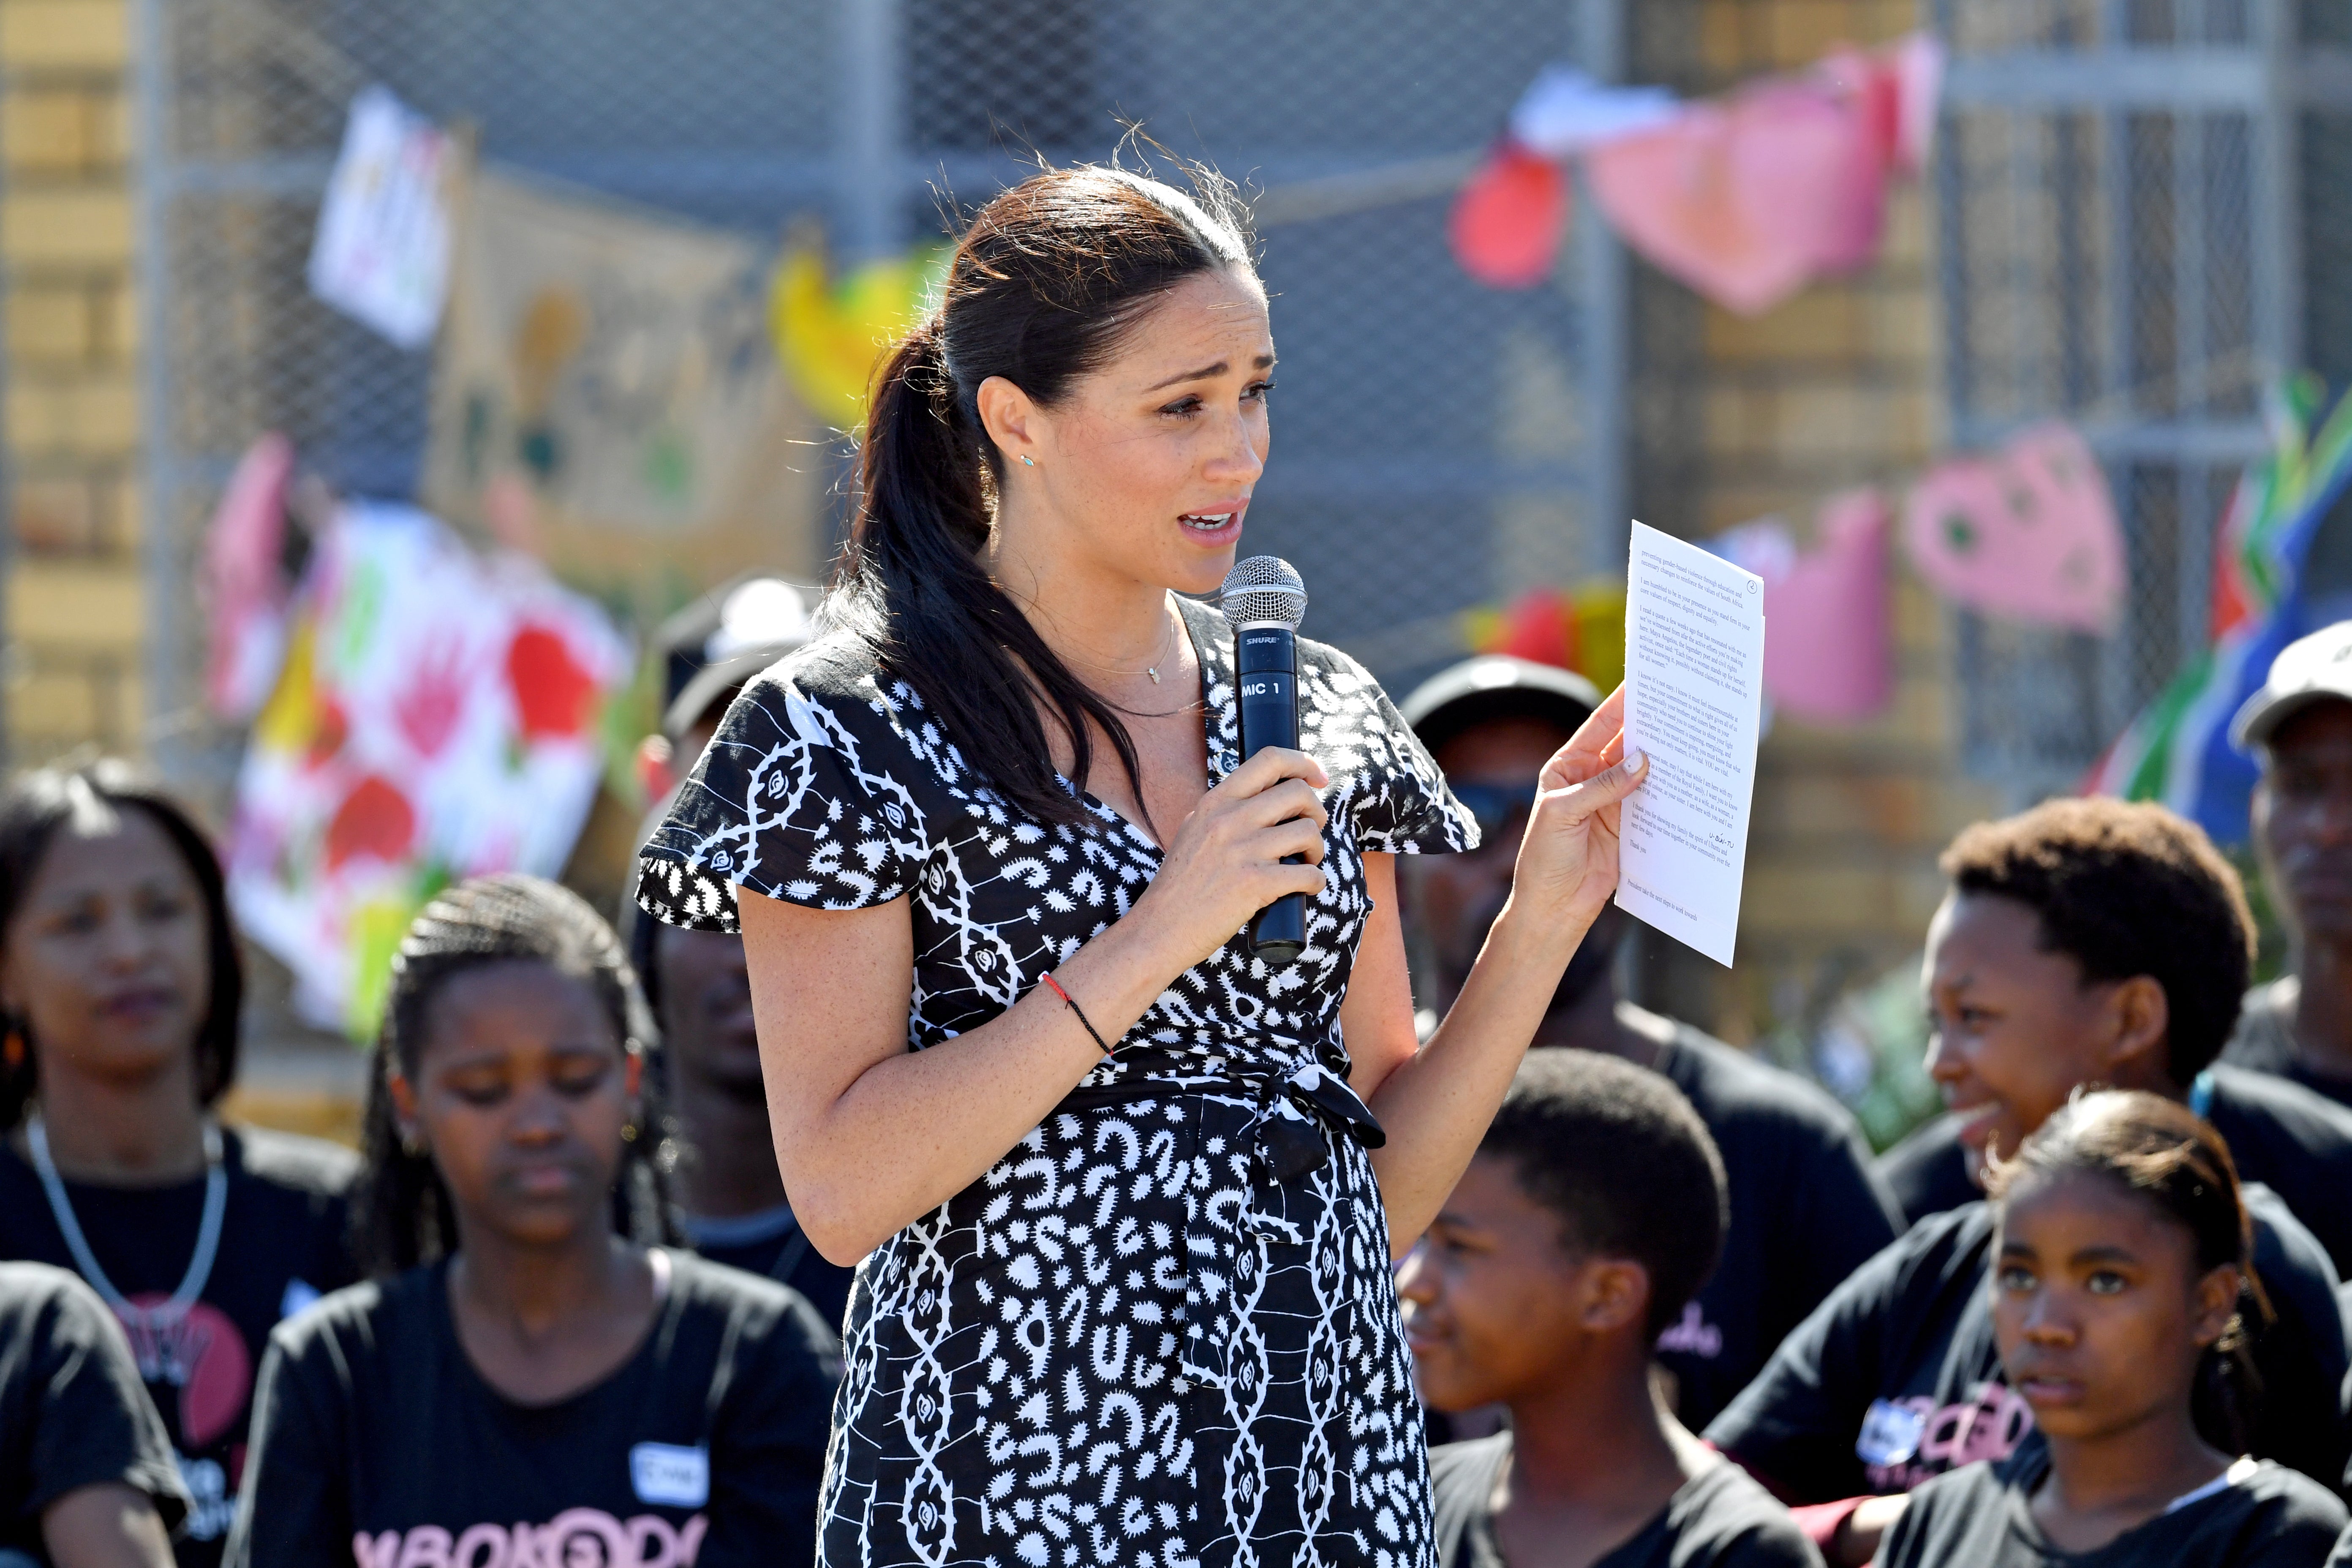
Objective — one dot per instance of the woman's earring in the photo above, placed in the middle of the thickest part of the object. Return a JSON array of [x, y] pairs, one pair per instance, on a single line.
[[1028, 461]]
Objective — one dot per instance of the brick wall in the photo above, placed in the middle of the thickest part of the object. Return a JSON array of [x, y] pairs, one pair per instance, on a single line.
[[1770, 414], [74, 593]]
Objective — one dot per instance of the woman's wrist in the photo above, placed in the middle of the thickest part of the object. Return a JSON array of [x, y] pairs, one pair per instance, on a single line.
[[1523, 934]]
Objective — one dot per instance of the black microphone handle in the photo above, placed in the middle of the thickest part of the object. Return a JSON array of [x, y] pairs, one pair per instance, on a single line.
[[1268, 657]]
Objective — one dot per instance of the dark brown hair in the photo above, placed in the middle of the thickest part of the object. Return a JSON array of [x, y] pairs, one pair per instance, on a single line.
[[402, 1213], [2127, 889], [1617, 1152], [1042, 286], [35, 808], [2163, 1153]]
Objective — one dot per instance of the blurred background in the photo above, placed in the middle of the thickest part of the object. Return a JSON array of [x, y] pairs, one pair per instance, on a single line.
[[670, 237]]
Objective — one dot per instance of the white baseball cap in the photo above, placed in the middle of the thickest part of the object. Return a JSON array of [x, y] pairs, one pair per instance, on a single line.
[[2315, 668]]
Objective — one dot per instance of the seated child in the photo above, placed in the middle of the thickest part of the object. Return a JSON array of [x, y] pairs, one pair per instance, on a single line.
[[522, 1384], [2121, 1249], [1593, 1211], [87, 1475]]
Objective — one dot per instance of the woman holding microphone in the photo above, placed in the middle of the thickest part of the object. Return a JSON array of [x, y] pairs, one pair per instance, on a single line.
[[1125, 1195]]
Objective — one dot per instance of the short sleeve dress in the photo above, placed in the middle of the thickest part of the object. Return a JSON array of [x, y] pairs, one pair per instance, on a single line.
[[1162, 1329]]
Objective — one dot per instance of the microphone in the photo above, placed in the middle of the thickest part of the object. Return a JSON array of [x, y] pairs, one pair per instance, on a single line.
[[1265, 601]]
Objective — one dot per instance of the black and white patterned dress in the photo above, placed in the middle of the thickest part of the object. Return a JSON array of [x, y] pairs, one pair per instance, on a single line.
[[1161, 1330]]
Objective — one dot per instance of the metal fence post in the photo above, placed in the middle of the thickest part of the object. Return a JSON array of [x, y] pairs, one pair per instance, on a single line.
[[1606, 298]]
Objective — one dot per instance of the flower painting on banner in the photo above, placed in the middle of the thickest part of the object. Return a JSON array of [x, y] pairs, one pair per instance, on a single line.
[[437, 717]]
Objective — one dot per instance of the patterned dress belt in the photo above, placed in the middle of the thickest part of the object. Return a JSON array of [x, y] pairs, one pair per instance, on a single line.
[[1292, 1107]]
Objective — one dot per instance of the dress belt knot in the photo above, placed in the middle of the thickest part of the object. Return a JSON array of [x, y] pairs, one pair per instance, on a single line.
[[1294, 1109]]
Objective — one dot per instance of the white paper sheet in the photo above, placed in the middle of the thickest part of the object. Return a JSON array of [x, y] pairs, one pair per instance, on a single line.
[[1694, 685]]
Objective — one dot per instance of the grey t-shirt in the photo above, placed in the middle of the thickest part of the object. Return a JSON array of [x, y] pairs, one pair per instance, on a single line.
[[1719, 1519]]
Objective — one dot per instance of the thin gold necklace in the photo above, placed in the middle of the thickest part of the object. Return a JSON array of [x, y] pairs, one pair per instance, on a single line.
[[1152, 669]]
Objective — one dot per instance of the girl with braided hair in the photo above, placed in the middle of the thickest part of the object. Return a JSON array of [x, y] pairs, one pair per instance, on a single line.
[[2123, 1263], [533, 1375]]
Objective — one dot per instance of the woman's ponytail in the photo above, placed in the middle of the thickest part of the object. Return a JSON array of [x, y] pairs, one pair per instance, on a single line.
[[1042, 284]]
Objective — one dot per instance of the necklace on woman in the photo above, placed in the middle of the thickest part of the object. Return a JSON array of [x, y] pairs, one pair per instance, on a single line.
[[1167, 640], [152, 1331]]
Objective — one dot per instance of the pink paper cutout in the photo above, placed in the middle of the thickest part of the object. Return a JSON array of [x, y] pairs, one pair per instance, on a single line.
[[1828, 640], [1506, 224], [1917, 62], [1747, 199], [245, 584], [2029, 532]]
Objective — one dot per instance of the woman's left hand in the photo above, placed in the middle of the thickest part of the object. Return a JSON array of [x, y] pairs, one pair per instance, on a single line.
[[1568, 860]]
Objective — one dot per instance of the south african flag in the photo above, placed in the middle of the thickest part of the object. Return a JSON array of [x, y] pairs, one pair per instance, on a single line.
[[2178, 751]]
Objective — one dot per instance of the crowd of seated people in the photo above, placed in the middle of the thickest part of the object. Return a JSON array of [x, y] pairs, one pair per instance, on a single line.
[[557, 1308]]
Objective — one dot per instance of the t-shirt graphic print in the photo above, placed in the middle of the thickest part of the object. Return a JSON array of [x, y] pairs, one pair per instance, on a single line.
[[282, 1241], [378, 1445]]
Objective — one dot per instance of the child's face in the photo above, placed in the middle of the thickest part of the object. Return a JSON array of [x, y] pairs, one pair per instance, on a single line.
[[2016, 1028], [2098, 1307], [521, 1092], [1494, 1307]]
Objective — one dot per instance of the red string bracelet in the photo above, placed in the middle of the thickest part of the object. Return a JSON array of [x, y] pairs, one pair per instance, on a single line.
[[1072, 1007]]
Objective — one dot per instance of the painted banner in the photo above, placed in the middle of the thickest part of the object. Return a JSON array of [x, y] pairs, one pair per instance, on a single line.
[[2029, 532], [606, 397], [437, 717]]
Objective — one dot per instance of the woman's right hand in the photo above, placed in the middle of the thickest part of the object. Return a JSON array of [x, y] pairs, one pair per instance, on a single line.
[[1224, 863]]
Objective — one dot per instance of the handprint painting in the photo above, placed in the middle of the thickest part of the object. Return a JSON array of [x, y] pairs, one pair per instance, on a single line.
[[438, 716]]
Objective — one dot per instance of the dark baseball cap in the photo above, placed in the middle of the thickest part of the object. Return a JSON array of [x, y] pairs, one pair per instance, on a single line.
[[1492, 687]]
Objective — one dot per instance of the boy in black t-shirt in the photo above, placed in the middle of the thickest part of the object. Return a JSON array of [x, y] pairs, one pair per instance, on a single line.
[[2085, 941], [2092, 941], [1593, 1211], [2121, 1268], [696, 981], [1806, 1210], [87, 1476]]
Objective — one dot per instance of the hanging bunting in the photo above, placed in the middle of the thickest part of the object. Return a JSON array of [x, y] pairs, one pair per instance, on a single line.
[[1747, 197], [1829, 655], [1507, 224], [2029, 532]]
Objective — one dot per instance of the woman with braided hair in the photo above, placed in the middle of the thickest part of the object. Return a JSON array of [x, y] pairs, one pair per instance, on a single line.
[[533, 1375]]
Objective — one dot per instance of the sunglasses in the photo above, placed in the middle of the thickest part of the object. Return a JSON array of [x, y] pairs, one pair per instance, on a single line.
[[1500, 810]]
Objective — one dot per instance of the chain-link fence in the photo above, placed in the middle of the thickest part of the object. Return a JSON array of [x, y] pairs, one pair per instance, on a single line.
[[1437, 442], [2134, 210]]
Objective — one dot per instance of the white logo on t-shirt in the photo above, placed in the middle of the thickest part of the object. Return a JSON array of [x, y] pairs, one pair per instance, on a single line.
[[671, 1475]]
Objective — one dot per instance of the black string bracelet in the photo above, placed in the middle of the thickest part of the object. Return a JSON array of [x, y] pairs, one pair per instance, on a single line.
[[1074, 1007]]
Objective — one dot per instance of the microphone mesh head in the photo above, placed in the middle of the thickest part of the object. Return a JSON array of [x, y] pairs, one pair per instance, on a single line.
[[1264, 590]]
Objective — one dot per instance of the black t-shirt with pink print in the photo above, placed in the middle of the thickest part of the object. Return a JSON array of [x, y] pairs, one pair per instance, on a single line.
[[1895, 1377], [376, 1444]]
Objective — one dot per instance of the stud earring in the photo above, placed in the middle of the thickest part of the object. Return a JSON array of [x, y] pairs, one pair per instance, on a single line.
[[1028, 461]]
